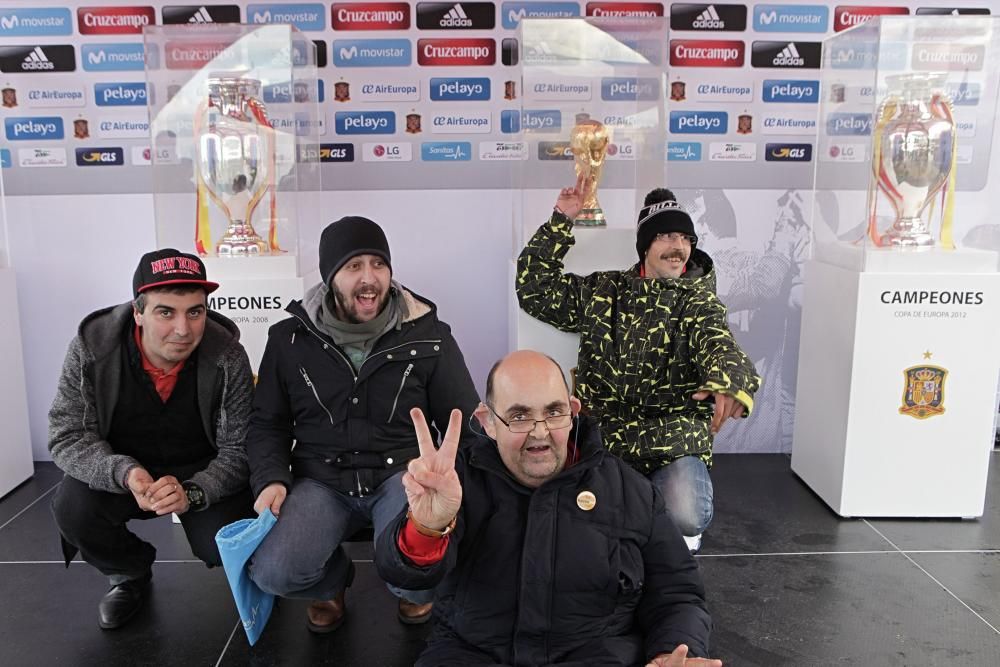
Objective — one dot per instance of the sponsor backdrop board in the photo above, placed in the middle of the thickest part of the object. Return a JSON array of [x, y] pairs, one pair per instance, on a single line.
[[405, 83]]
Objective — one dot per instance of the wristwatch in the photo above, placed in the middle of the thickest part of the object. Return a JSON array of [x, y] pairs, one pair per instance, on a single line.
[[430, 532], [195, 496]]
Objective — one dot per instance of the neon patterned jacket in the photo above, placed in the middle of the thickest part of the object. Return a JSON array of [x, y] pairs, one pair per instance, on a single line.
[[645, 347]]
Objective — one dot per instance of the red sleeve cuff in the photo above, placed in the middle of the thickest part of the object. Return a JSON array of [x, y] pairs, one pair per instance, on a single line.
[[421, 549]]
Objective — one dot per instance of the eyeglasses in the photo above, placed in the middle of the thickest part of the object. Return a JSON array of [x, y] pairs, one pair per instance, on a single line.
[[552, 423], [675, 236]]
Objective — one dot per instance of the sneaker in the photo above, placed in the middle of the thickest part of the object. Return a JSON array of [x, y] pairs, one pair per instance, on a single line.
[[694, 543], [325, 616], [411, 613]]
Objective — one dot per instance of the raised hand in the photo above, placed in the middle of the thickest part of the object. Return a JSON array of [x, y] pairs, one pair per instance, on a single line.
[[726, 407], [571, 200], [431, 483]]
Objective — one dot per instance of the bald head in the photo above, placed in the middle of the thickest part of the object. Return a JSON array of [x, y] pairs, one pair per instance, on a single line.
[[528, 362]]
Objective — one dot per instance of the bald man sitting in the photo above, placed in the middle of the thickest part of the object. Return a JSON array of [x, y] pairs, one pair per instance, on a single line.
[[543, 548]]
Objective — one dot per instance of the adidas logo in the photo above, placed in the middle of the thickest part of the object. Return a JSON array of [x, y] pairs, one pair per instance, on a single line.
[[709, 20], [201, 16], [789, 57], [37, 60], [456, 18]]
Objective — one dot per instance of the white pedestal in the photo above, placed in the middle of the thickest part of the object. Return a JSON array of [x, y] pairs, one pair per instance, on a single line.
[[861, 332], [253, 292], [15, 446], [596, 249]]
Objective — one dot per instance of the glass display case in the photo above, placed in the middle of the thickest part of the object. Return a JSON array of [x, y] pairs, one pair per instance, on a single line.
[[905, 144]]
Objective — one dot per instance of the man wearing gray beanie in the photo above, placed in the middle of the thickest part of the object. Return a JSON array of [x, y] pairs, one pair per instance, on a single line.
[[657, 364], [338, 380]]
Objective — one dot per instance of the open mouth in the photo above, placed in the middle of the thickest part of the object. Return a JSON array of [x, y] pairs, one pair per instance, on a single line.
[[537, 449], [367, 300]]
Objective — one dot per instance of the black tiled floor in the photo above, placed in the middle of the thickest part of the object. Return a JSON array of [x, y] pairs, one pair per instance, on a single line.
[[789, 583]]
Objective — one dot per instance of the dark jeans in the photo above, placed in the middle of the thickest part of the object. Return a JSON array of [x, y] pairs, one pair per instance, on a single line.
[[93, 523]]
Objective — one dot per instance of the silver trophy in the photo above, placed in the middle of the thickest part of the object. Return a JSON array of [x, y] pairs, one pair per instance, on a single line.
[[915, 140], [235, 163]]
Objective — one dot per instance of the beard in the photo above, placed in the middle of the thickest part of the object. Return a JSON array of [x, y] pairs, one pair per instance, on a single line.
[[348, 307]]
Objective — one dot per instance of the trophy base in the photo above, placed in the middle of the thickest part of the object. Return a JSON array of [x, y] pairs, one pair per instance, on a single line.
[[590, 217], [240, 240], [907, 236]]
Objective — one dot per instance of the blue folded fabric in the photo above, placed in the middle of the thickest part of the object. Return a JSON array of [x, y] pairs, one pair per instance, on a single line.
[[237, 542]]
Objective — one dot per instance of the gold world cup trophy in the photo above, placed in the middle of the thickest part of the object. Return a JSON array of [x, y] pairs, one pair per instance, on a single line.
[[235, 167], [589, 142]]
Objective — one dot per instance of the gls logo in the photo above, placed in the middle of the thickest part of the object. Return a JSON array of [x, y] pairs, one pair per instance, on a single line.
[[372, 53], [456, 15], [791, 91], [100, 157], [456, 90], [336, 152], [788, 153], [629, 89], [120, 94], [25, 22], [849, 124], [365, 122], [37, 59], [791, 18], [699, 122], [45, 128], [715, 16], [513, 12]]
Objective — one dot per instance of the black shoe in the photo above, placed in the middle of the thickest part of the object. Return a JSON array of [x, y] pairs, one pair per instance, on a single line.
[[122, 602]]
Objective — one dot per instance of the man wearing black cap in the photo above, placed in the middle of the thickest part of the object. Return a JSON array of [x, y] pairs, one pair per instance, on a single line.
[[149, 419], [655, 346], [338, 379]]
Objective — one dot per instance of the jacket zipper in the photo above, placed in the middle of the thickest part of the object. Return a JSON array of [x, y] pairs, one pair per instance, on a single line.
[[406, 374], [309, 383]]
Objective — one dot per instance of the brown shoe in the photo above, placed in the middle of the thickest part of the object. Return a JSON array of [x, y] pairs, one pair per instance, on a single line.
[[326, 615], [411, 613]]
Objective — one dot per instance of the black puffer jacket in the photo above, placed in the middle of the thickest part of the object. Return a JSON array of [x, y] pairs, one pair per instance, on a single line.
[[532, 579], [352, 430]]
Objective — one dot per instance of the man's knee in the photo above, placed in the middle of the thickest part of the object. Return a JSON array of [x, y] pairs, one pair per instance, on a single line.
[[279, 571], [74, 506]]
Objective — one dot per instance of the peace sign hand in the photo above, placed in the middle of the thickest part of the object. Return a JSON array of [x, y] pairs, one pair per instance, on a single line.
[[431, 483]]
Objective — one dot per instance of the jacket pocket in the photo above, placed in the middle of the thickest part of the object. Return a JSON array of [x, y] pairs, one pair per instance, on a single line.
[[312, 388], [402, 383]]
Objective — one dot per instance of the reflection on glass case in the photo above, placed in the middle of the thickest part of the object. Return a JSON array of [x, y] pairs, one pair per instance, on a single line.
[[234, 117], [905, 139]]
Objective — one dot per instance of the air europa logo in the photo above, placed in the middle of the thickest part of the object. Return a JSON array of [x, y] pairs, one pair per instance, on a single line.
[[848, 16], [456, 52], [371, 15], [114, 20]]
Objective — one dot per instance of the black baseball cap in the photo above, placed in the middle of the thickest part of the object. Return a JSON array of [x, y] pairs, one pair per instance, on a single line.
[[162, 268]]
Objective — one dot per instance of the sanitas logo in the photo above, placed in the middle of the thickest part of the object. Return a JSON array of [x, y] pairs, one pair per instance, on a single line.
[[791, 18], [365, 122], [788, 153], [513, 12], [683, 151], [699, 122], [114, 20], [446, 151], [372, 53], [100, 157], [304, 16], [29, 22], [448, 89], [371, 16], [39, 128], [713, 16], [120, 94]]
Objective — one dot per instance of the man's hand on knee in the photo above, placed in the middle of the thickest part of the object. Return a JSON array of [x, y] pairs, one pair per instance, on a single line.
[[272, 496], [138, 482], [166, 495]]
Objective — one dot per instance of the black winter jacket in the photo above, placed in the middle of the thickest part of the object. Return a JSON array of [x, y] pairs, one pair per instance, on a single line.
[[352, 430], [532, 579]]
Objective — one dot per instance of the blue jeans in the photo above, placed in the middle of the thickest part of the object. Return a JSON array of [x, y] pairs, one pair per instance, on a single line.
[[687, 490], [302, 558]]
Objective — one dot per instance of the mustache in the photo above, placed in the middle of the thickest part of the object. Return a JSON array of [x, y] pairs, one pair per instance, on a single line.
[[672, 254]]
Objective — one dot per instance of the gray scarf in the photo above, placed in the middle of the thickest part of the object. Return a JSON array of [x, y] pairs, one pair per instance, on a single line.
[[357, 340]]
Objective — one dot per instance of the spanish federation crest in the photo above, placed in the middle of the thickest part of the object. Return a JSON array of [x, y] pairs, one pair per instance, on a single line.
[[923, 391]]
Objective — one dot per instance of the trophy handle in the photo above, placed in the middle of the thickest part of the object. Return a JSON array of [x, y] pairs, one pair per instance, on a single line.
[[942, 104], [202, 226], [258, 111], [885, 112]]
